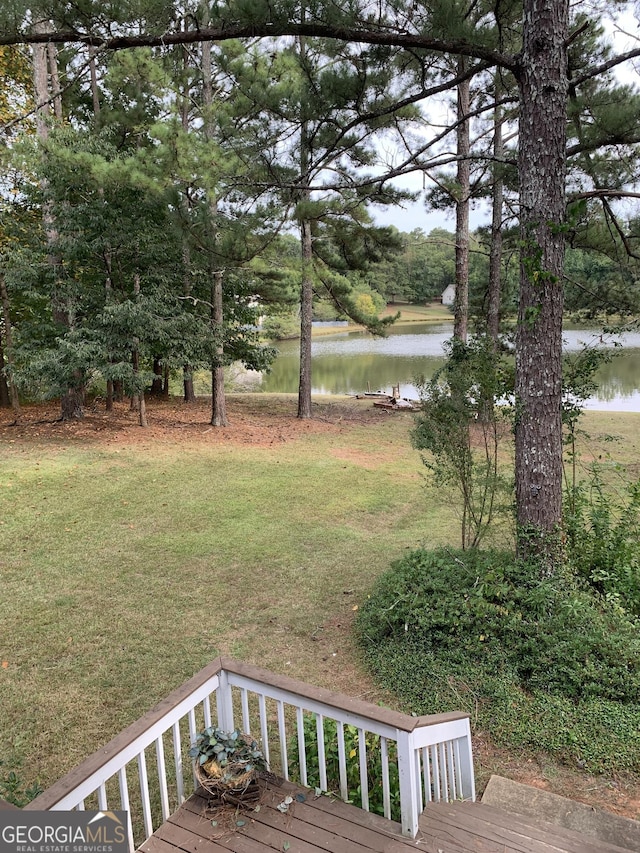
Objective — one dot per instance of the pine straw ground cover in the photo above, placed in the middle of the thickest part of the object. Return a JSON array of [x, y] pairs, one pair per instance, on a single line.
[[129, 558]]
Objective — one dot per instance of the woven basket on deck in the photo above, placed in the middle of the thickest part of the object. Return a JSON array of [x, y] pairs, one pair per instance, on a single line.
[[223, 781]]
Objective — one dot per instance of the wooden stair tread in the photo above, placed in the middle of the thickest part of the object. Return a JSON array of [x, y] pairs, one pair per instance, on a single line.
[[480, 828]]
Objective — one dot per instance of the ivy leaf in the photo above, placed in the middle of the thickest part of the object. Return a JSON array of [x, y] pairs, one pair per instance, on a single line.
[[286, 845]]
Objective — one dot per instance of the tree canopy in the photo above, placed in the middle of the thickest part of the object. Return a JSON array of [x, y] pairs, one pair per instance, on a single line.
[[126, 77]]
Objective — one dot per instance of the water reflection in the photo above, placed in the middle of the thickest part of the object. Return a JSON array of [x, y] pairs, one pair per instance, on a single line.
[[351, 362]]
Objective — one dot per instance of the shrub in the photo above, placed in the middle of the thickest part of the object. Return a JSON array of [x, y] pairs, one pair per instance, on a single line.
[[460, 425], [534, 662], [603, 534]]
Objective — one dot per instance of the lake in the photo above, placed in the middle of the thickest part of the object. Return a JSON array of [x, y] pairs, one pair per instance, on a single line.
[[350, 362]]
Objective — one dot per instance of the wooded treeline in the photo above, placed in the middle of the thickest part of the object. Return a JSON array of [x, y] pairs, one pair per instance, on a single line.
[[172, 143]]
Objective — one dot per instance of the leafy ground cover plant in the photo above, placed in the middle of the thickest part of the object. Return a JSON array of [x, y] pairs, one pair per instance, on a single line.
[[603, 538], [544, 664], [373, 764], [13, 788]]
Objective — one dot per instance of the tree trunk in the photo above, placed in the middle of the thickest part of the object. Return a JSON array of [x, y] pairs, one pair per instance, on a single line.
[[218, 400], [72, 400], [461, 302], [137, 398], [185, 105], [542, 157], [8, 340], [5, 398], [157, 384], [95, 92], [72, 404], [306, 318], [495, 250], [52, 58], [41, 84], [187, 380], [187, 370], [306, 246]]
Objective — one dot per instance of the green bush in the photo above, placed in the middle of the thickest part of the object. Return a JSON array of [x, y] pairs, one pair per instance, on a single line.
[[603, 537], [459, 426], [374, 764], [539, 663]]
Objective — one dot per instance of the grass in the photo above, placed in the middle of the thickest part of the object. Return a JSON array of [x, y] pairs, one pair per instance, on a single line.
[[434, 312], [131, 559], [127, 567]]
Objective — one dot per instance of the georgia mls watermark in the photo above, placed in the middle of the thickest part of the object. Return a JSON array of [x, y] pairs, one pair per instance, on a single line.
[[63, 832]]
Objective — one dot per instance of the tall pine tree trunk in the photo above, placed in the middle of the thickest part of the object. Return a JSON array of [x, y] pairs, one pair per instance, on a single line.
[[137, 398], [497, 201], [44, 66], [542, 157], [306, 319], [306, 246], [185, 101], [218, 399], [52, 59], [108, 291], [187, 370], [461, 301]]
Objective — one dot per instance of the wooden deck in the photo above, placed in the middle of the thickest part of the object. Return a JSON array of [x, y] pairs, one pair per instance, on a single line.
[[313, 824], [309, 826]]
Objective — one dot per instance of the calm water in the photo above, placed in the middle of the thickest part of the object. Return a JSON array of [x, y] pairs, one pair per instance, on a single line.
[[350, 362]]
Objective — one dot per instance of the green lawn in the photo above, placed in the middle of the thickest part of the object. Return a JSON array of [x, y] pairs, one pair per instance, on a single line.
[[128, 565]]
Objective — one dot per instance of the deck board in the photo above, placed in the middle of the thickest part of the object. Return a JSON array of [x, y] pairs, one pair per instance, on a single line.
[[315, 825], [326, 825], [481, 828]]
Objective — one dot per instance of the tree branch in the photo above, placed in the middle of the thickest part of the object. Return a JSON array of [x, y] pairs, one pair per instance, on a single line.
[[268, 29]]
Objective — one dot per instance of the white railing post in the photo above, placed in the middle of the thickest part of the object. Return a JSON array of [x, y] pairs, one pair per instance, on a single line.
[[224, 703], [434, 758], [408, 783], [466, 767]]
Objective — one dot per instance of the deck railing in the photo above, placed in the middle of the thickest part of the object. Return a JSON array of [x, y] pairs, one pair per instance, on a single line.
[[309, 735]]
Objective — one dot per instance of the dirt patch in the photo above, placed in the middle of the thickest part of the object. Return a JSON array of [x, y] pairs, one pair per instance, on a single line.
[[620, 795], [262, 420]]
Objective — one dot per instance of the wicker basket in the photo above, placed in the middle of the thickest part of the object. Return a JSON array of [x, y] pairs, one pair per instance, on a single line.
[[227, 782]]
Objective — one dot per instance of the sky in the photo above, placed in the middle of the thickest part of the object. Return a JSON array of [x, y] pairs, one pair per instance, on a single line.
[[416, 215]]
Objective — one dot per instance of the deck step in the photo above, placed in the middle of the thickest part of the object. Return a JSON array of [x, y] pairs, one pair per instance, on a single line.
[[535, 803], [480, 828]]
